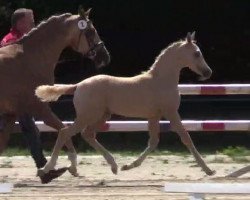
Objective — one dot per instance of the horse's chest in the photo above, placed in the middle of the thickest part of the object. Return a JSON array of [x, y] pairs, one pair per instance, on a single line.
[[7, 106], [18, 102]]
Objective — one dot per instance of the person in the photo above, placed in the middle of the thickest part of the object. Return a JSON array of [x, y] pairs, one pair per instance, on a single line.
[[22, 21]]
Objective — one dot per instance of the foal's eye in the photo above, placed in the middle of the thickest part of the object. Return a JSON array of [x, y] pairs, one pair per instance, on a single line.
[[197, 54]]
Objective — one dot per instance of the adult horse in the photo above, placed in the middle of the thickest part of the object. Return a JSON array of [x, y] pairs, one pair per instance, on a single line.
[[31, 61], [152, 95]]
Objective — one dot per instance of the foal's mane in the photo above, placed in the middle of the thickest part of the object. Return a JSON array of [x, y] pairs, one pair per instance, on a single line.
[[168, 48], [171, 46], [45, 22]]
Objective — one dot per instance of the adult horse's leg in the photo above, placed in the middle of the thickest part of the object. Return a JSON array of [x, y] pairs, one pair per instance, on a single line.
[[32, 135], [89, 136], [176, 126], [239, 172], [154, 130], [64, 135], [7, 122]]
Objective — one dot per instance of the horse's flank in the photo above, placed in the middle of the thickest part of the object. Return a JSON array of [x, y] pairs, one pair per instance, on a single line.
[[124, 96]]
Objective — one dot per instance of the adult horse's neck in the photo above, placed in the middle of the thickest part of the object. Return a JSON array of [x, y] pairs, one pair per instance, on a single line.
[[43, 46], [166, 68]]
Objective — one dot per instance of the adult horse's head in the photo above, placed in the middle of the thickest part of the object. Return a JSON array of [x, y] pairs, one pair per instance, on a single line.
[[193, 58], [85, 39]]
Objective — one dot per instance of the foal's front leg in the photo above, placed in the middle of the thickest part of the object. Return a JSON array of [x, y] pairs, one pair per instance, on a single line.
[[52, 120], [176, 126], [64, 135], [154, 130]]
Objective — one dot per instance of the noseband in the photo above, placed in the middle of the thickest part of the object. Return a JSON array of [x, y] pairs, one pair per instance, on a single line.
[[92, 51], [93, 47]]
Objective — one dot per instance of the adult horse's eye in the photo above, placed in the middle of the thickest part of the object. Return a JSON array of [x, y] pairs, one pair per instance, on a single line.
[[197, 54], [90, 33]]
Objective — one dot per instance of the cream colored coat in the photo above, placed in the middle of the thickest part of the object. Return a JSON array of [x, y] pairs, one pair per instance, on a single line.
[[151, 95]]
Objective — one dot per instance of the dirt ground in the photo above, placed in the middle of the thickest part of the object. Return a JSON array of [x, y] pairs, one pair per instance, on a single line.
[[96, 182]]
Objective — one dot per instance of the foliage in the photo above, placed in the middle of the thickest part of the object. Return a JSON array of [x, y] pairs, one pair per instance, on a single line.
[[236, 151]]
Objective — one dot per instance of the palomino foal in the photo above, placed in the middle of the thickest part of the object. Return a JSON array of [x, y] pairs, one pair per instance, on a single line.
[[152, 95]]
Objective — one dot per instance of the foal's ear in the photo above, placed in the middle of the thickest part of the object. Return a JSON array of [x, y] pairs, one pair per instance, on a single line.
[[190, 37]]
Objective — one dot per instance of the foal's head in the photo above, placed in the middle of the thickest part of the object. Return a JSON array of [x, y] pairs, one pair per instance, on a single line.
[[85, 39], [192, 57]]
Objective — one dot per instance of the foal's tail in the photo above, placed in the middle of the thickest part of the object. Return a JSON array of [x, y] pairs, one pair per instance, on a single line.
[[49, 93]]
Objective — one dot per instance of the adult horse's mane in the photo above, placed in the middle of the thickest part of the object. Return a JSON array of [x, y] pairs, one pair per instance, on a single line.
[[43, 23]]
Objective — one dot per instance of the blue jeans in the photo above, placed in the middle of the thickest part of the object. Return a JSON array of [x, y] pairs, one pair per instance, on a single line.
[[32, 134]]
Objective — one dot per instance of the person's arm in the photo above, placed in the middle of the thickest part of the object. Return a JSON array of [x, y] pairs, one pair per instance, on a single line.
[[6, 41]]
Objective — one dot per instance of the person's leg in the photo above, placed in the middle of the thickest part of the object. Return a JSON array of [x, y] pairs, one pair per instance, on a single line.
[[32, 135]]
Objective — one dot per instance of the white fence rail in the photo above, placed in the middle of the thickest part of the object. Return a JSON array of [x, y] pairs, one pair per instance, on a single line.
[[135, 126], [214, 89], [190, 125]]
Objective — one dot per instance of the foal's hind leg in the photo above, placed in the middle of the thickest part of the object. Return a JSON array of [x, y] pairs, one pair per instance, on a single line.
[[154, 130], [89, 136], [176, 125]]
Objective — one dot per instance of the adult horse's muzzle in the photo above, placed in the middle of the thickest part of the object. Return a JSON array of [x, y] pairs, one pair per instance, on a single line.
[[99, 54]]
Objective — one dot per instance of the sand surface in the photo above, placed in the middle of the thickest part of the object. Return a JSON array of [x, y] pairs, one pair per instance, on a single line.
[[96, 182]]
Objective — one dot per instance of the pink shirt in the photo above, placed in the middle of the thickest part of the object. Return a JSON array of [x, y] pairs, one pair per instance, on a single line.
[[11, 37]]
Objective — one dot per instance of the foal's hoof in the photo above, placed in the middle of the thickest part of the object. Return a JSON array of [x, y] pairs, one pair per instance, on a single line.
[[73, 171], [52, 174]]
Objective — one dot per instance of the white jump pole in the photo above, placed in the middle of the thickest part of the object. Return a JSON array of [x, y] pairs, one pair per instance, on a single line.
[[6, 187], [197, 191], [135, 126], [214, 89]]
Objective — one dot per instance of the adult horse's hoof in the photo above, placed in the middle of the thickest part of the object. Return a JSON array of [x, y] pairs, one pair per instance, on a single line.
[[52, 174], [211, 172], [125, 167], [114, 170]]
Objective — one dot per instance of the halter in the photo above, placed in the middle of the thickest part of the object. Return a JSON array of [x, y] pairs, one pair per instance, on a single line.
[[91, 53]]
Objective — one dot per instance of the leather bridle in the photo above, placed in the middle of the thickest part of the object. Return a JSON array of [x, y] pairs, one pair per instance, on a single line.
[[93, 47]]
